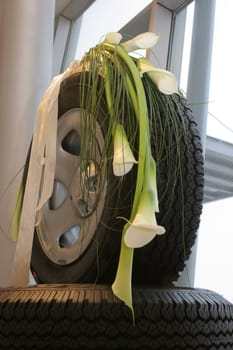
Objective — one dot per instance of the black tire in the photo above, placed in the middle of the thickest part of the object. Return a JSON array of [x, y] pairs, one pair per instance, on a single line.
[[90, 317], [161, 261], [180, 200], [93, 262]]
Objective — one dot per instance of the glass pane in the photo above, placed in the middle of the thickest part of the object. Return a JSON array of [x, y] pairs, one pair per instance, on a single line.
[[106, 16], [220, 121], [214, 254], [187, 47], [214, 263]]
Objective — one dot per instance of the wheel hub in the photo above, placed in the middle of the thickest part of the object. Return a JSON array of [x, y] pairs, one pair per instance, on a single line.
[[84, 188], [68, 221]]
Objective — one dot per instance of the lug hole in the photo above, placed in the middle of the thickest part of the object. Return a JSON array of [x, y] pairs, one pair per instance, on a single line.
[[69, 238], [72, 143]]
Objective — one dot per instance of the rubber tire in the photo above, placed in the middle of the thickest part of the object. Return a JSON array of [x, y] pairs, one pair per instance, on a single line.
[[165, 257], [95, 262], [160, 261], [90, 317]]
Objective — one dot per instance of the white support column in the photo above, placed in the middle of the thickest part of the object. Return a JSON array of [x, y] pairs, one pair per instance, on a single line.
[[26, 47], [198, 89]]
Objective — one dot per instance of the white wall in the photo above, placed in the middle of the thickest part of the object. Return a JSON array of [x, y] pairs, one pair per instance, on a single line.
[[26, 42]]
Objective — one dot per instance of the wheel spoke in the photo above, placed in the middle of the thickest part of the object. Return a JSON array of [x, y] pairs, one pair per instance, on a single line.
[[55, 221], [68, 146], [66, 165], [69, 219]]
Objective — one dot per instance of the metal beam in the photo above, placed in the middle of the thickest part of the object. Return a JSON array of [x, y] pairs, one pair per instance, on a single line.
[[198, 90], [200, 62], [75, 8], [71, 44], [176, 46], [60, 43]]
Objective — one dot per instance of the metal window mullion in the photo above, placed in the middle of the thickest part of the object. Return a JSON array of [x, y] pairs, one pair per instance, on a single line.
[[200, 62], [60, 43], [198, 90], [71, 45], [176, 44]]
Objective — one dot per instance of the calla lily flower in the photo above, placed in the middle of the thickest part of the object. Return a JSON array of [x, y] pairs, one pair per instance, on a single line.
[[123, 158], [142, 41], [113, 37], [144, 227], [164, 80], [121, 286]]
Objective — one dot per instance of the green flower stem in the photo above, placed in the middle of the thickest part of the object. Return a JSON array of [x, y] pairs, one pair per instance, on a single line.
[[17, 213], [148, 155], [122, 284], [107, 86], [139, 102]]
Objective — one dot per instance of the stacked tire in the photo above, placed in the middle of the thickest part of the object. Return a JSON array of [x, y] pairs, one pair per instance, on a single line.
[[90, 317], [61, 312]]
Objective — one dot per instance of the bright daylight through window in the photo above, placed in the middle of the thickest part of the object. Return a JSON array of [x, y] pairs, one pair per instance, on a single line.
[[214, 264]]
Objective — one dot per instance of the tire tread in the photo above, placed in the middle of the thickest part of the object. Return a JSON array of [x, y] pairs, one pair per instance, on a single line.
[[90, 317]]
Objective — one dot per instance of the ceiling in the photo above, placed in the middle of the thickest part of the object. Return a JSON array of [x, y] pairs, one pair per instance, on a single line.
[[74, 8], [173, 4], [60, 6], [71, 9]]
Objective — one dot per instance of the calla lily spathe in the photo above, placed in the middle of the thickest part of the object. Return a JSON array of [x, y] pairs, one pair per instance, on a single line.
[[113, 37], [144, 227], [164, 80], [142, 41], [123, 158]]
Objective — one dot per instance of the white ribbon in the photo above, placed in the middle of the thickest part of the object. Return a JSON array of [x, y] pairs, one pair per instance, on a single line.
[[42, 161]]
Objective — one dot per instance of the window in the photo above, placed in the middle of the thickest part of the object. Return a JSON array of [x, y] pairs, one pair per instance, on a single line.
[[214, 257], [214, 263]]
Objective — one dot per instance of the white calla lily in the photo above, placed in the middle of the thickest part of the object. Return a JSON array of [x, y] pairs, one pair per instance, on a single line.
[[123, 158], [113, 37], [164, 80], [121, 286], [144, 227], [142, 41]]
